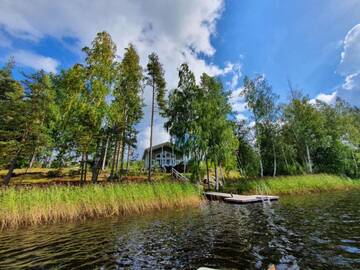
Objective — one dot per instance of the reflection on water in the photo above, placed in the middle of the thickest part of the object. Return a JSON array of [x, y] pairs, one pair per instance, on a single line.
[[313, 231]]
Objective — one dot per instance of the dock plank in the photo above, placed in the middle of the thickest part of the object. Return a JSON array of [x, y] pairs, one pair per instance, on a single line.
[[217, 195], [239, 199]]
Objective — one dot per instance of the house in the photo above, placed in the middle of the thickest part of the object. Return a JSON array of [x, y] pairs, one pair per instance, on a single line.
[[164, 155]]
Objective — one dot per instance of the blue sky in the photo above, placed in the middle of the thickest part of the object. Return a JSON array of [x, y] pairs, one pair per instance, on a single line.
[[313, 43], [297, 40]]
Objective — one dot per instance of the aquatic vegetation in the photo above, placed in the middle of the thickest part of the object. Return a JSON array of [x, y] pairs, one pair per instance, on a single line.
[[34, 206], [294, 184]]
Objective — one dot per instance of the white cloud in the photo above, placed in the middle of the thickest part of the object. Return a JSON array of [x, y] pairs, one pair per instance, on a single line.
[[350, 57], [327, 98], [236, 100], [176, 30], [349, 67], [35, 61], [350, 90], [238, 104]]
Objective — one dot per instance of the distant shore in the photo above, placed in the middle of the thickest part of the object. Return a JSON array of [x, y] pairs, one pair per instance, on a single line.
[[297, 184]]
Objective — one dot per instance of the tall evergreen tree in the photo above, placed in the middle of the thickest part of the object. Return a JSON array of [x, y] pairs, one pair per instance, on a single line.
[[155, 80], [43, 110], [127, 104], [14, 121]]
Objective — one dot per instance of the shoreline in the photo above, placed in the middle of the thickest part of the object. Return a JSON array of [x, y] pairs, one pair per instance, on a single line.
[[297, 184], [34, 205], [37, 206]]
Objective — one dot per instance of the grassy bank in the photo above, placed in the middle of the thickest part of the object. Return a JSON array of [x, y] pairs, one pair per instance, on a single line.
[[293, 184], [20, 207], [44, 176]]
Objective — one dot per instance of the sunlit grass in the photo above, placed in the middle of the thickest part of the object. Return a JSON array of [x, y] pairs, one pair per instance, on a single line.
[[20, 207], [300, 184], [41, 176]]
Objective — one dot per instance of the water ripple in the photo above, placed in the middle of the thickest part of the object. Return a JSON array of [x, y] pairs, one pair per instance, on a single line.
[[300, 232]]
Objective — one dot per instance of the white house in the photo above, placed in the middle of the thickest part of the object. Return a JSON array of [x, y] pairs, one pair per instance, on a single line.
[[163, 155]]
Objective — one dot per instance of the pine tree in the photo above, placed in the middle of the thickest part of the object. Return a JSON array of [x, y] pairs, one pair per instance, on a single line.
[[155, 80], [126, 108], [14, 121]]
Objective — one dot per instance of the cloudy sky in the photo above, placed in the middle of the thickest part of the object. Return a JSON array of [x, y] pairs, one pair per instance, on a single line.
[[313, 43]]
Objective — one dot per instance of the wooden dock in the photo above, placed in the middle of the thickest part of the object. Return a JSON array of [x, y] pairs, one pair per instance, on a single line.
[[239, 199]]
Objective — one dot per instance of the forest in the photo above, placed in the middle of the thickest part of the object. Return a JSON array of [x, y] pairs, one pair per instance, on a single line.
[[86, 116]]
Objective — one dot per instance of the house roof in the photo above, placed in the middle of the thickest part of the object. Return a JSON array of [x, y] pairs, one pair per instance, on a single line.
[[168, 144]]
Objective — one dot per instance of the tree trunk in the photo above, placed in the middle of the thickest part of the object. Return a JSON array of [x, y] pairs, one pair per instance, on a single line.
[[216, 178], [309, 159], [207, 174], [32, 160], [286, 161], [151, 132], [184, 163], [259, 147], [97, 158], [82, 168], [355, 163], [105, 154], [118, 159], [114, 159], [261, 168], [275, 165], [128, 160], [11, 168], [85, 170], [122, 156], [48, 160], [241, 169], [222, 175]]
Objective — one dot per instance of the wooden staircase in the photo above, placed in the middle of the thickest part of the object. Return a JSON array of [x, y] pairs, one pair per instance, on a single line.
[[178, 176]]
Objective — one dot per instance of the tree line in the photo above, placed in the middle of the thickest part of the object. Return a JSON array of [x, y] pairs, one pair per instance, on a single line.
[[300, 136], [86, 115]]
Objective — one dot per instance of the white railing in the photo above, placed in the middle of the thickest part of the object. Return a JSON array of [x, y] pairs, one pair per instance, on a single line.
[[178, 176]]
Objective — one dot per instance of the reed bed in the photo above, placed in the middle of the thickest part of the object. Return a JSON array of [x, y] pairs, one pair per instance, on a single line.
[[300, 184], [21, 207]]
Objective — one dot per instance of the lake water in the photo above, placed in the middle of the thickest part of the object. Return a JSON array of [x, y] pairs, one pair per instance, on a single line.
[[319, 231]]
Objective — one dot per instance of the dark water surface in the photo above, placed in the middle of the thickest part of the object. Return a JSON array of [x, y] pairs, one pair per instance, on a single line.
[[319, 231]]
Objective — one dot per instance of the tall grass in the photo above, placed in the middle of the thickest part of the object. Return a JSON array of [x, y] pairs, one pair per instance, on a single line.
[[19, 207], [300, 184]]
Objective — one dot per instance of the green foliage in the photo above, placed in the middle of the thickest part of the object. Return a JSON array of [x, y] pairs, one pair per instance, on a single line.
[[28, 115], [155, 79], [247, 158], [198, 121], [89, 113], [14, 119], [261, 100], [302, 137]]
